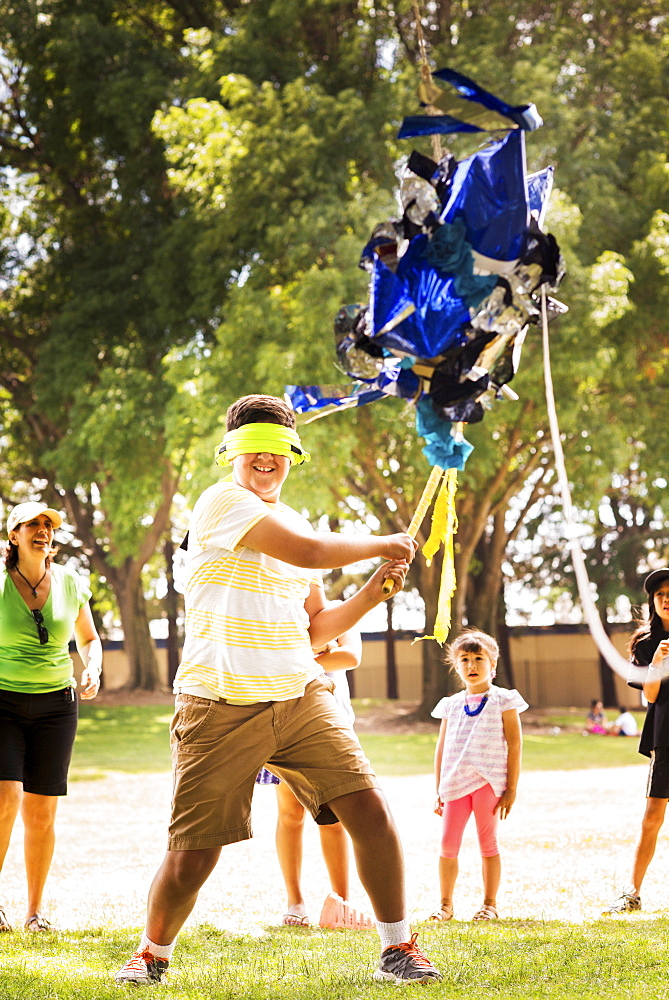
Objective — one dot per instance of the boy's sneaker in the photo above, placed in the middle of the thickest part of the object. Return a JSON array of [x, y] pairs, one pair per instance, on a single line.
[[628, 902], [143, 968], [406, 963]]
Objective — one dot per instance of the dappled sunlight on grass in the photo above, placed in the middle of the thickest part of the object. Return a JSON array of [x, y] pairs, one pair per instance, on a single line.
[[512, 959], [130, 738]]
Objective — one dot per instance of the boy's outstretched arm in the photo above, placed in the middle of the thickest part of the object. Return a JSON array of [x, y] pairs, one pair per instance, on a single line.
[[324, 550]]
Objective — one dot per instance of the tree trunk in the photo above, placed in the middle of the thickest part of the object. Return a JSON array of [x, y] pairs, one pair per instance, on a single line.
[[438, 680], [606, 676], [172, 609], [138, 643], [609, 697], [485, 598], [483, 601], [505, 673], [126, 579]]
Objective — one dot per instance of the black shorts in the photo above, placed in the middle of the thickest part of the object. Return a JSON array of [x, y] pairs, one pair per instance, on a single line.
[[36, 737], [658, 775]]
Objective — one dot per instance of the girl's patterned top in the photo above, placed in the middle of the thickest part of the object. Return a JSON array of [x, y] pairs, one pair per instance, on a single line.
[[475, 750]]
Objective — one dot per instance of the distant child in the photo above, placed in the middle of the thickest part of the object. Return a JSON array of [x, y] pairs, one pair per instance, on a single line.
[[595, 721], [625, 724], [477, 763]]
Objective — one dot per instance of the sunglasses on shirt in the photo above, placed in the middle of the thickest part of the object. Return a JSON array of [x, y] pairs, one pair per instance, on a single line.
[[41, 627]]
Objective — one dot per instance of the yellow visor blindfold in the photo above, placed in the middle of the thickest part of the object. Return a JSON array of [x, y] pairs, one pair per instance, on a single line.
[[253, 438]]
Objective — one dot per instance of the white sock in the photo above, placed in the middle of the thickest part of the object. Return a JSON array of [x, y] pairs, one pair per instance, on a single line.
[[393, 934], [158, 950]]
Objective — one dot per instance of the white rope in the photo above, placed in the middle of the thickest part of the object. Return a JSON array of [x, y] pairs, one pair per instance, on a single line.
[[614, 659]]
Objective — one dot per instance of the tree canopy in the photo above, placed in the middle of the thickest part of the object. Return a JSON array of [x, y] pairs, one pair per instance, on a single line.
[[185, 189]]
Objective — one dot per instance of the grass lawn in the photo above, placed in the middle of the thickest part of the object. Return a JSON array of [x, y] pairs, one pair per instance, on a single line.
[[130, 738], [513, 960], [135, 739], [510, 960]]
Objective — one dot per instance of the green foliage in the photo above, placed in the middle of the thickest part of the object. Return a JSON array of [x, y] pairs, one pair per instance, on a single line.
[[269, 175], [192, 184], [95, 295]]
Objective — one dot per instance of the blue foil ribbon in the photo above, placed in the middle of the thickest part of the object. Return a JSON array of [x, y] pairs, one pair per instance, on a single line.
[[489, 193]]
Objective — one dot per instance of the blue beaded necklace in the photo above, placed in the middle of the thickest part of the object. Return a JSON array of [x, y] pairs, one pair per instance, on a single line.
[[479, 708]]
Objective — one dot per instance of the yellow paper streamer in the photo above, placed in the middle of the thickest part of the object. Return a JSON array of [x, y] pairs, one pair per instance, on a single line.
[[444, 527]]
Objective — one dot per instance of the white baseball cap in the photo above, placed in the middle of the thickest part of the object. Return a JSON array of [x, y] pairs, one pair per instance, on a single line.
[[27, 511], [654, 579]]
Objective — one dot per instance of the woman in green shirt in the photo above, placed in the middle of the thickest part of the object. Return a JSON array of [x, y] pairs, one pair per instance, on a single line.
[[41, 605]]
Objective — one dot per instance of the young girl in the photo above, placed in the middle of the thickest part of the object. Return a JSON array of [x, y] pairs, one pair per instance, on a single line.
[[649, 647], [477, 762]]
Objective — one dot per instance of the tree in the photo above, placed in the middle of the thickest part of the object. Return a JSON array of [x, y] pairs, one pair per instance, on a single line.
[[194, 182], [94, 292], [295, 246]]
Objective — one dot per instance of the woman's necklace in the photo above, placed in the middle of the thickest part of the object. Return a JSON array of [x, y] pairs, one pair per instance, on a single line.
[[479, 708], [34, 589]]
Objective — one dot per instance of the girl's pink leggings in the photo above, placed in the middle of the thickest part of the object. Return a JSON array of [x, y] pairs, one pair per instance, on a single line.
[[482, 803]]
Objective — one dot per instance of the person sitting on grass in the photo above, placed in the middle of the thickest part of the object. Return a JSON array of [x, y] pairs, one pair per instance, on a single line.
[[249, 692], [625, 724], [477, 764], [595, 720]]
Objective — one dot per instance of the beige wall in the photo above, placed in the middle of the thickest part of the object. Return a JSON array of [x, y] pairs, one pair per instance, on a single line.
[[370, 676], [551, 667], [115, 667], [556, 668]]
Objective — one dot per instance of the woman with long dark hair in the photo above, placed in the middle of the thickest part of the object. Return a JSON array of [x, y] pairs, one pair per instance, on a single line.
[[41, 605], [649, 647]]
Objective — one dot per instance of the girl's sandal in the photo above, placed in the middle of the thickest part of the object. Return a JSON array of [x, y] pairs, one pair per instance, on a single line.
[[295, 920], [37, 924], [445, 912], [486, 913], [4, 922]]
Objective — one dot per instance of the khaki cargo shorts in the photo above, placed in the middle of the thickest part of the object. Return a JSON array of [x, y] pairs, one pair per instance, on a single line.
[[217, 750]]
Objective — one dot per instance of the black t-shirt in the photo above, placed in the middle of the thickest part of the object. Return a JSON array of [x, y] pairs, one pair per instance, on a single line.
[[655, 731]]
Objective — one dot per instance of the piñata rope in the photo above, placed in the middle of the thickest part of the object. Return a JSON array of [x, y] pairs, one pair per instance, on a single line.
[[426, 77], [615, 660]]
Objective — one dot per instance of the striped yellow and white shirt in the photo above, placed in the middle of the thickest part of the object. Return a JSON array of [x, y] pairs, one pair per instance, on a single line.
[[247, 636]]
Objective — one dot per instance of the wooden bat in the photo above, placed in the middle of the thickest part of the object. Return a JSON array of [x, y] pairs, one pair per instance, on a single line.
[[421, 510]]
